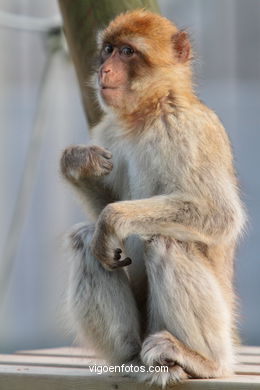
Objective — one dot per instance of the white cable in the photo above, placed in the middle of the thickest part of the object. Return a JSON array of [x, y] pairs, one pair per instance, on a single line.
[[29, 23]]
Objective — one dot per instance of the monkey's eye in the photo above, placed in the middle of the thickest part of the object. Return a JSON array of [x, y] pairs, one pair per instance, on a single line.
[[127, 51], [107, 49]]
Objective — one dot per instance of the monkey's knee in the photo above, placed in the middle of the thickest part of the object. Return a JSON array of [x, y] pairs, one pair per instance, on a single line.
[[194, 307]]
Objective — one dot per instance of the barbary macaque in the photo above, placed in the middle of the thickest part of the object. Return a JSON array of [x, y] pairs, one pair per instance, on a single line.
[[151, 276]]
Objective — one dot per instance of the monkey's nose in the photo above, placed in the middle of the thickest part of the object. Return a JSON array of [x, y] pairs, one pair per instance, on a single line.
[[105, 70]]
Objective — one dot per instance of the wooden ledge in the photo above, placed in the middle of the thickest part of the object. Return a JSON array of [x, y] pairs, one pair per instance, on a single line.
[[68, 369]]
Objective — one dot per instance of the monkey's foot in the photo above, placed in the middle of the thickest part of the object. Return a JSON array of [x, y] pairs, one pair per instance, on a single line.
[[160, 352], [174, 375]]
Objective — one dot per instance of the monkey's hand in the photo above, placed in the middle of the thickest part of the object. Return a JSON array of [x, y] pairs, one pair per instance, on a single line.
[[80, 161], [106, 247]]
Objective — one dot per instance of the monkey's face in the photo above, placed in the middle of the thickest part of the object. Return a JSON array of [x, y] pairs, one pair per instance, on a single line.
[[114, 73], [141, 54]]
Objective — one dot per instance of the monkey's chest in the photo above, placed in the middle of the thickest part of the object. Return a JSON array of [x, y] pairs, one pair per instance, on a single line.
[[149, 174], [143, 170]]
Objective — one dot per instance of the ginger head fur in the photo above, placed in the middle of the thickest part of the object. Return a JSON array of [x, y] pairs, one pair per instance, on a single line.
[[155, 77]]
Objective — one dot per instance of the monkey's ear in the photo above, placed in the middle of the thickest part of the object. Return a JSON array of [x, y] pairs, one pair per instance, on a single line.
[[182, 46]]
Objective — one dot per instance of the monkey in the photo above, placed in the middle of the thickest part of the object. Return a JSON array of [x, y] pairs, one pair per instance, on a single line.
[[151, 277]]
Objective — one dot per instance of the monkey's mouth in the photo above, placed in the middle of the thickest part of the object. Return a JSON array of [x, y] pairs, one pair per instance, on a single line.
[[108, 92], [103, 87]]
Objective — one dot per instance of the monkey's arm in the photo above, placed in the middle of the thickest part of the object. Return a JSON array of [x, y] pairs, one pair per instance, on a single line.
[[84, 167], [180, 216]]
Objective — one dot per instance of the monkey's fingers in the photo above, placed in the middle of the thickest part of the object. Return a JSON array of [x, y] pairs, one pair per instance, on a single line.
[[108, 155], [122, 263], [102, 151], [107, 166]]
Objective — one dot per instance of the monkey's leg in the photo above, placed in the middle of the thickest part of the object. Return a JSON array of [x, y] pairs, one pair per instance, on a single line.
[[190, 322], [101, 303]]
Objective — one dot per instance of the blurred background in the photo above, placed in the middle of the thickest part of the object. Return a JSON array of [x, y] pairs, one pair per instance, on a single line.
[[41, 113]]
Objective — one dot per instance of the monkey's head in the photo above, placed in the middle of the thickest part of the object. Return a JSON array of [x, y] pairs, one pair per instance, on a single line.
[[142, 57]]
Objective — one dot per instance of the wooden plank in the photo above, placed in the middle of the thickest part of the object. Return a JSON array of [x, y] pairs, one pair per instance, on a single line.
[[54, 378], [63, 351], [68, 351], [75, 360], [248, 369], [249, 359], [46, 370], [68, 368], [249, 350], [47, 360]]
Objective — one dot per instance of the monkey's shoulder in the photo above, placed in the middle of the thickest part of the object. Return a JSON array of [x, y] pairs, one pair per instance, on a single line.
[[197, 118], [204, 122], [199, 130]]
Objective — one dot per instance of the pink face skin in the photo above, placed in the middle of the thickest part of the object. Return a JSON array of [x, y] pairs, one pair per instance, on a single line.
[[113, 74]]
